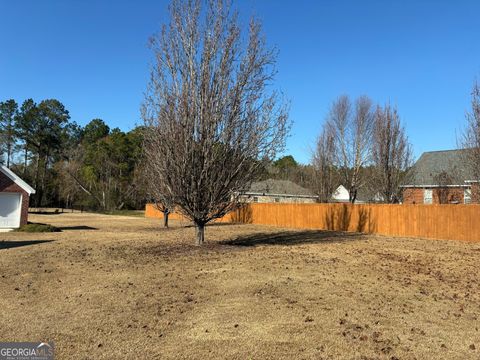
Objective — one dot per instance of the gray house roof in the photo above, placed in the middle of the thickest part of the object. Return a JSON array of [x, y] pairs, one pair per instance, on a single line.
[[278, 187], [430, 165]]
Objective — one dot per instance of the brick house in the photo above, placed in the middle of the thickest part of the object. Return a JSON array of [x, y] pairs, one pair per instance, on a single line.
[[14, 199], [277, 191], [440, 177]]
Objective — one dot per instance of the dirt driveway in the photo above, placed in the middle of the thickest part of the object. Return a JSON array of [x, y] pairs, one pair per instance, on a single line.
[[123, 287]]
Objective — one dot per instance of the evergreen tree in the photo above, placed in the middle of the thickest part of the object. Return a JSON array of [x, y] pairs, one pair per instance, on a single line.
[[8, 134]]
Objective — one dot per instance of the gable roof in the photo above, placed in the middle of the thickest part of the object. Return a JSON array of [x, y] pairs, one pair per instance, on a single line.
[[433, 163], [363, 195], [278, 187], [12, 176], [340, 194]]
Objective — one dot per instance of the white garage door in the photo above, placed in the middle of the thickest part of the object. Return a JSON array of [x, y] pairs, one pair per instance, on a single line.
[[10, 207]]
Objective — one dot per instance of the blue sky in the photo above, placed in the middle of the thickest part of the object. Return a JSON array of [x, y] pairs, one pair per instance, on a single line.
[[92, 55]]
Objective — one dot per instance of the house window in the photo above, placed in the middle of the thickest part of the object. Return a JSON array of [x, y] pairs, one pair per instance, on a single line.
[[467, 196], [427, 196], [255, 199]]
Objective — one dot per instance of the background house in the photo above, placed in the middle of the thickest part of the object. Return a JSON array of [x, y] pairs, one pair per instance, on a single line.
[[14, 199], [278, 191], [441, 177], [341, 195]]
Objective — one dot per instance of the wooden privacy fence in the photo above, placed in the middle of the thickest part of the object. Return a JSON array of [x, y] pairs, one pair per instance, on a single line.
[[449, 222]]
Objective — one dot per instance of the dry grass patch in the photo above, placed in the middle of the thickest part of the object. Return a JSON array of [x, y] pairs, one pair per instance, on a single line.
[[116, 286]]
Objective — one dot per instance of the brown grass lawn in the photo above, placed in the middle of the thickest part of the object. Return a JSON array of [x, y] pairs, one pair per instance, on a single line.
[[123, 287]]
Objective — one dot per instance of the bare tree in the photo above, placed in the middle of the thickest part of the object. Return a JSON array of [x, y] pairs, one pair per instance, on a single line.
[[391, 154], [156, 186], [444, 193], [70, 170], [166, 212], [470, 138], [210, 116], [352, 131], [325, 174]]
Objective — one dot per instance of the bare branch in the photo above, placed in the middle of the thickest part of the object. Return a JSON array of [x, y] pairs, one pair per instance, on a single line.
[[391, 154], [352, 136], [470, 138]]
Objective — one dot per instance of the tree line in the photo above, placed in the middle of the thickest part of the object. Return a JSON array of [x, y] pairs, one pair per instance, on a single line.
[[69, 165]]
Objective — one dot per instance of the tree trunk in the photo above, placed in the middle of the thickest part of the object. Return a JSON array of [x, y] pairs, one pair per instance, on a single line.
[[166, 212], [104, 203], [44, 180], [9, 151], [200, 233], [25, 161], [353, 196], [37, 175]]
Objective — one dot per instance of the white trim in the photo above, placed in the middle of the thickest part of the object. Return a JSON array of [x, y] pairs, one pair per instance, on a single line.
[[465, 197], [11, 175], [428, 199]]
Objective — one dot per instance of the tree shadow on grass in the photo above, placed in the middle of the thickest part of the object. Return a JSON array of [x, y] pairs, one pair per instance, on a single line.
[[78, 227], [13, 244], [210, 224], [294, 238], [44, 213]]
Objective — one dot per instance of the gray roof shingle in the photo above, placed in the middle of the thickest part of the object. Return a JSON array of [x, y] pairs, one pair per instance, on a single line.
[[431, 164], [272, 186]]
